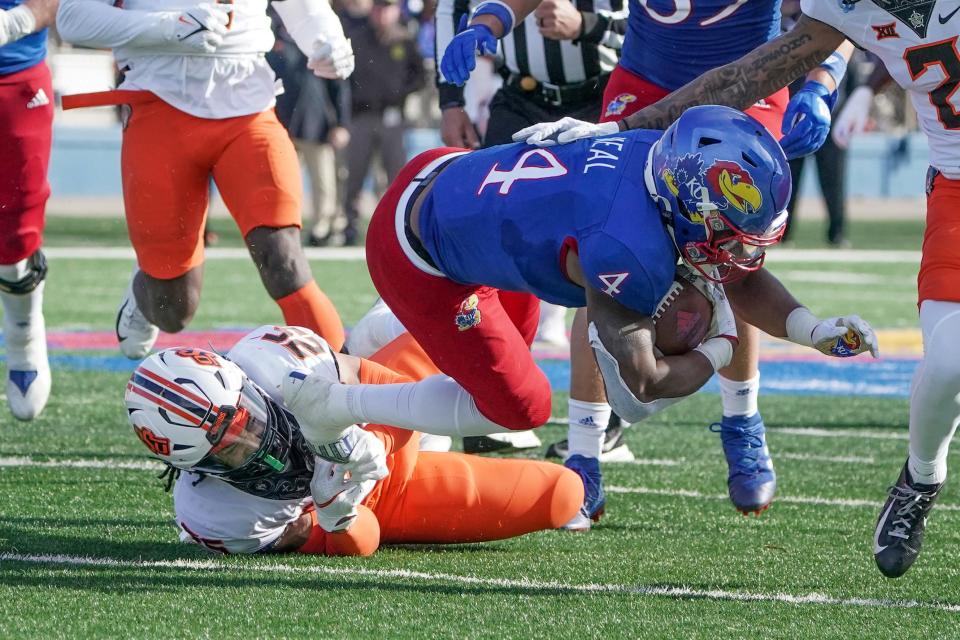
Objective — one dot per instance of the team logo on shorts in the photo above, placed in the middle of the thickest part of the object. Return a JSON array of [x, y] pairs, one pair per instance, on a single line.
[[619, 104], [468, 316], [847, 345], [156, 444]]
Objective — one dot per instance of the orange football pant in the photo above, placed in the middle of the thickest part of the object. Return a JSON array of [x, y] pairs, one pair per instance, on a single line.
[[447, 498], [939, 277]]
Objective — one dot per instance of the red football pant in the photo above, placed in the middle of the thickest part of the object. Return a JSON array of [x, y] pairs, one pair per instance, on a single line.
[[627, 93], [25, 131], [489, 354]]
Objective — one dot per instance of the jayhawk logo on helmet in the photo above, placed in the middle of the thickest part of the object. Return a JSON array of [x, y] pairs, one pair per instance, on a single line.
[[686, 183], [735, 184], [619, 104]]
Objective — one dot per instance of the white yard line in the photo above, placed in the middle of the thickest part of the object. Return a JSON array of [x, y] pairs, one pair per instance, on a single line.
[[816, 458], [91, 463], [520, 584], [817, 432], [812, 256]]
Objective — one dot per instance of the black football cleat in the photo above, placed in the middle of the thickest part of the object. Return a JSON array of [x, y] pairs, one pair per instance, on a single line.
[[899, 534]]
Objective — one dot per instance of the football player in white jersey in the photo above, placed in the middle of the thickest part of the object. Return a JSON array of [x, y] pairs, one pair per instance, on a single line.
[[917, 42], [199, 98], [259, 477]]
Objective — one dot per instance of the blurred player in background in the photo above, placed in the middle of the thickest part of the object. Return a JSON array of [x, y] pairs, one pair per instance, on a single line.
[[254, 481], [463, 244], [26, 121], [917, 43], [668, 44], [200, 99]]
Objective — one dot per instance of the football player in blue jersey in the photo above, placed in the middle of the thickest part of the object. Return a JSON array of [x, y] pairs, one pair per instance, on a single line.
[[668, 43], [26, 122], [463, 244]]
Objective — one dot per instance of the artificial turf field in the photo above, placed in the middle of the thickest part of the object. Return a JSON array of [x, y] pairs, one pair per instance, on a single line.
[[88, 548]]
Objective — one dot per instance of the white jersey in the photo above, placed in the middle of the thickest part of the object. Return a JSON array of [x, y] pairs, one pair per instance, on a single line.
[[917, 42], [215, 514], [234, 81]]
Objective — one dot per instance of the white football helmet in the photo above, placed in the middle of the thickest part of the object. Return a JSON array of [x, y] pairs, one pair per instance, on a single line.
[[197, 411]]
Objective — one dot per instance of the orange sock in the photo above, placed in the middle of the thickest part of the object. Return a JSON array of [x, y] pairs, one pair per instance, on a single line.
[[311, 308], [405, 355]]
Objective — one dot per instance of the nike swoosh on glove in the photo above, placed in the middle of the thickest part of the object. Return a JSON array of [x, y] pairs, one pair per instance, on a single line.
[[845, 336], [336, 495], [564, 130], [806, 122], [200, 29], [460, 57], [333, 60]]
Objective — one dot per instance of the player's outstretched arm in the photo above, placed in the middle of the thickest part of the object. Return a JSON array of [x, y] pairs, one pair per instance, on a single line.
[[623, 343], [761, 299], [27, 18], [754, 76]]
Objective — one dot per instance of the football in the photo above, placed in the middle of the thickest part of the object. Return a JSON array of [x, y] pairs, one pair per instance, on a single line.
[[682, 318]]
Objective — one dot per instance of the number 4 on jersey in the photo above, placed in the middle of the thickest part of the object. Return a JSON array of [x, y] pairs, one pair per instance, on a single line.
[[534, 170]]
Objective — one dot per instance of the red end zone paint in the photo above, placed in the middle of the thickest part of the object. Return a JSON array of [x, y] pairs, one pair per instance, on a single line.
[[221, 339]]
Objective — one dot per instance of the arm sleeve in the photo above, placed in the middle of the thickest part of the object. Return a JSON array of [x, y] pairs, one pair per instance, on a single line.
[[607, 26], [97, 23], [361, 539], [308, 21], [447, 18]]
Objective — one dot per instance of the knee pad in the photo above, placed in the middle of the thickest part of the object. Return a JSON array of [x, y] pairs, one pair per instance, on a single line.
[[37, 265]]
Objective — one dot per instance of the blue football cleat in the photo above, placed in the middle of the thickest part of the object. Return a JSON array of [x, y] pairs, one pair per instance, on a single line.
[[751, 480], [594, 500]]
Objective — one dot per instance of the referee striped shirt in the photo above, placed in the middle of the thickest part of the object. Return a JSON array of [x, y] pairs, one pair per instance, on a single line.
[[525, 52]]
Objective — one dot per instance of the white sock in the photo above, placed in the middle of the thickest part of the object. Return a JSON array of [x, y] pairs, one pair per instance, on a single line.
[[934, 403], [587, 422], [23, 320], [436, 405], [739, 398]]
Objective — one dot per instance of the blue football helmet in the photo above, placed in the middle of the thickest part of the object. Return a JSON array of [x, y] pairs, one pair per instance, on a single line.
[[723, 184]]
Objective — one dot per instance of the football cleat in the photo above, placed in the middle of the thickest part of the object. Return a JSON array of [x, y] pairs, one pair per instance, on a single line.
[[135, 333], [594, 499], [899, 534], [751, 480], [501, 442], [28, 370], [614, 449]]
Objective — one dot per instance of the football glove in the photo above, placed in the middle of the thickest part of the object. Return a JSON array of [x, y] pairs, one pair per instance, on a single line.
[[332, 59], [319, 405], [460, 57], [840, 337], [806, 122], [564, 130], [197, 30], [16, 23], [336, 495], [853, 117]]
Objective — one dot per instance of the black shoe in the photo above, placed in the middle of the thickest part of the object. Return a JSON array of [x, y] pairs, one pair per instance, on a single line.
[[614, 449], [501, 442], [318, 241], [899, 535]]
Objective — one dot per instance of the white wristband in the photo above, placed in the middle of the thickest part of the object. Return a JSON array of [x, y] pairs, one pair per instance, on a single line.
[[16, 23], [800, 326], [718, 350]]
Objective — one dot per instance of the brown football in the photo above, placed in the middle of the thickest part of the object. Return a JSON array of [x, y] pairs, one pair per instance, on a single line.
[[682, 318]]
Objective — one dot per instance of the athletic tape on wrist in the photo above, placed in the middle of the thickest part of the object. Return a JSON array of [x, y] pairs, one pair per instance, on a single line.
[[718, 350], [800, 325], [836, 66]]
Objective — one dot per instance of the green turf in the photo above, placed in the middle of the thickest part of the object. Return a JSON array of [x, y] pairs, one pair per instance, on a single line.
[[654, 536]]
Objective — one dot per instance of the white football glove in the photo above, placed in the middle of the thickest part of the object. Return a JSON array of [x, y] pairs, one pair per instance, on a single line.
[[840, 337], [336, 494], [853, 117], [332, 59], [16, 23], [564, 130], [197, 30], [319, 405]]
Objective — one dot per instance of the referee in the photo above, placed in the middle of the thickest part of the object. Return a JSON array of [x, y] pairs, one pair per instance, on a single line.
[[556, 63]]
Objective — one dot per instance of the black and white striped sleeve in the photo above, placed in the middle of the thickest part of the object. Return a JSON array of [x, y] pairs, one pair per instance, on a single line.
[[606, 25], [447, 17]]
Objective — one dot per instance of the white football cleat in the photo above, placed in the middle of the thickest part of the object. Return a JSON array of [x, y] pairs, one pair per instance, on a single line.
[[376, 329], [28, 371], [438, 444], [135, 333], [319, 405]]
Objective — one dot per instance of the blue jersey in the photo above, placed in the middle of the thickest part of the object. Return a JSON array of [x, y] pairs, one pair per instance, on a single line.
[[671, 42], [25, 52], [506, 216]]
